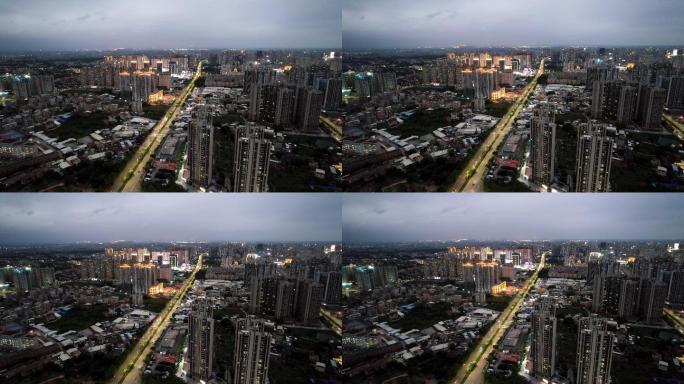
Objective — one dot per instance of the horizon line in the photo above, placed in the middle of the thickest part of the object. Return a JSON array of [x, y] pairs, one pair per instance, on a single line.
[[98, 242], [520, 46], [166, 49], [502, 240]]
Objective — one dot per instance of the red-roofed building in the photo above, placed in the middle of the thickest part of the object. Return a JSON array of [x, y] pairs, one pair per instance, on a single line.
[[171, 167], [513, 358], [169, 359], [511, 164]]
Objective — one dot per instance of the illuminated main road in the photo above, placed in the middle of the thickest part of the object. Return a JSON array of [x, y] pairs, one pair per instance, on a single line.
[[472, 371], [333, 129], [472, 176], [130, 371], [129, 180], [677, 128], [676, 318]]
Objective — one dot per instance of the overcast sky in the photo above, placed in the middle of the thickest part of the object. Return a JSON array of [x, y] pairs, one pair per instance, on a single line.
[[105, 24], [416, 217], [67, 218], [444, 23]]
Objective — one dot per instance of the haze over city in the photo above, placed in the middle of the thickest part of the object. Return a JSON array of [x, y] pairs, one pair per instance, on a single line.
[[77, 25], [423, 217], [64, 218], [336, 191], [439, 23]]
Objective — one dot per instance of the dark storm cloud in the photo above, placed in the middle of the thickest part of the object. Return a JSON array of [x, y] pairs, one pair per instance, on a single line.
[[64, 218], [100, 24], [416, 217], [445, 23]]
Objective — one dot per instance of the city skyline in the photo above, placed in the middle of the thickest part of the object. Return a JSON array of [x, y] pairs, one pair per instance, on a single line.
[[437, 23], [368, 218], [341, 191], [72, 218], [73, 25]]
